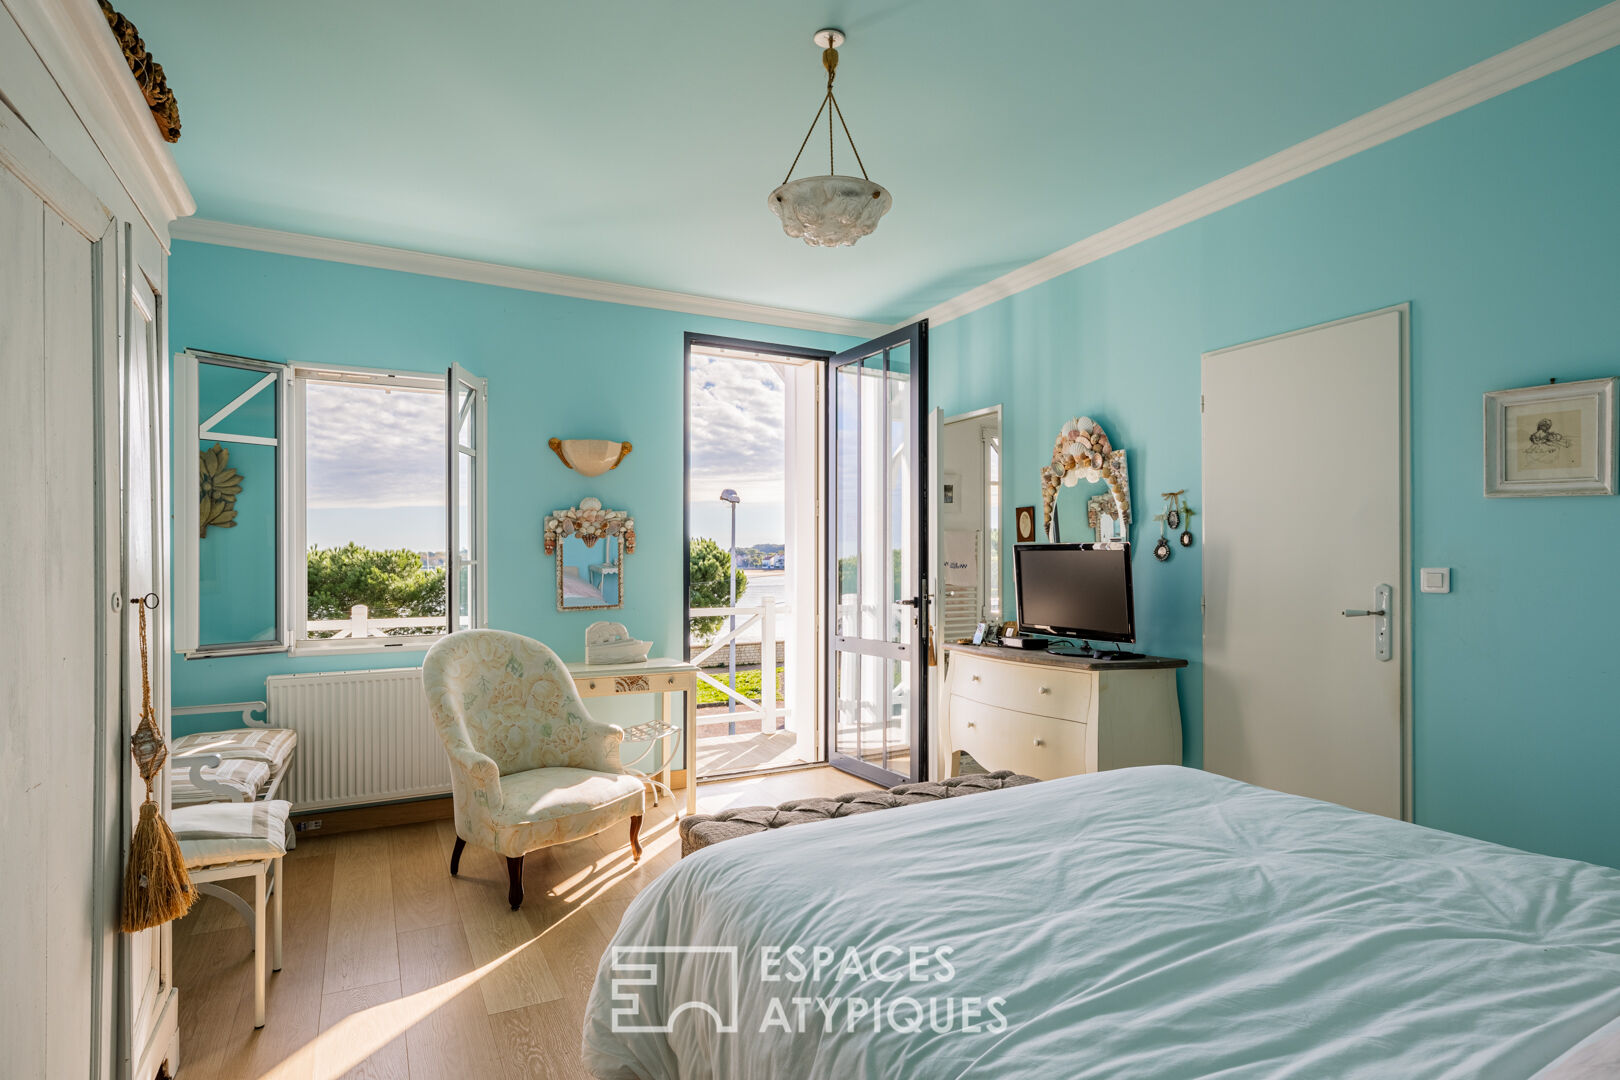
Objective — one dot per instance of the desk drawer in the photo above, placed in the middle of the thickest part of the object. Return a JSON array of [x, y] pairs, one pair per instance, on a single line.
[[1026, 688], [1040, 746]]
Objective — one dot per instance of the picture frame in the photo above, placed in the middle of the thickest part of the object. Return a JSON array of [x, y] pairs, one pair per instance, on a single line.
[[1555, 439], [1024, 519]]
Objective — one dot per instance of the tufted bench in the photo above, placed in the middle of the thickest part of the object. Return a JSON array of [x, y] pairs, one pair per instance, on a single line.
[[700, 830]]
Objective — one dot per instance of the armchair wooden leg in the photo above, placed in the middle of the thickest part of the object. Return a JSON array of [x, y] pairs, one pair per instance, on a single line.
[[514, 874], [455, 856], [635, 838]]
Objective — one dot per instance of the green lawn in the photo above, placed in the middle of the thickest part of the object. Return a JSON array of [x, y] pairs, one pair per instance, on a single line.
[[748, 683]]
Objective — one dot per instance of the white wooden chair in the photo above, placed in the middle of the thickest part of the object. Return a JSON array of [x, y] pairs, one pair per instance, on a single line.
[[225, 841]]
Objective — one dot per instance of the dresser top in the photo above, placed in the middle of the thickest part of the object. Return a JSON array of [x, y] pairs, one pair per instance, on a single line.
[[1043, 658]]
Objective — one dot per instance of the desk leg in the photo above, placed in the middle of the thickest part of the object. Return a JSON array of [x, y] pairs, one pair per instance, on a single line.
[[664, 750], [691, 746]]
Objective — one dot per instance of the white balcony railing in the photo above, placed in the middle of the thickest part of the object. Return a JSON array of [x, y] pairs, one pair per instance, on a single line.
[[764, 616], [360, 624]]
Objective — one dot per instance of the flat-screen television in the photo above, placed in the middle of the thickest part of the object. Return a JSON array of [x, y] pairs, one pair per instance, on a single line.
[[1075, 590]]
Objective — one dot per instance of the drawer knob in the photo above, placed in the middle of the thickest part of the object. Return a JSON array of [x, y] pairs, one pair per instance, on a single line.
[[1046, 689], [973, 678], [593, 686], [1040, 742], [972, 724]]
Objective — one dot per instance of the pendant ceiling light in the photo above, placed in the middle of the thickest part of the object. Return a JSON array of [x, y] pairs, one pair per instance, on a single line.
[[831, 210]]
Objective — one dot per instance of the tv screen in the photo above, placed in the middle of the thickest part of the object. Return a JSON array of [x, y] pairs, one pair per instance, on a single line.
[[1075, 590]]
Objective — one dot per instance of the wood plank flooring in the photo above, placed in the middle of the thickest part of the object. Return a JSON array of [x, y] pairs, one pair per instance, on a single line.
[[393, 970]]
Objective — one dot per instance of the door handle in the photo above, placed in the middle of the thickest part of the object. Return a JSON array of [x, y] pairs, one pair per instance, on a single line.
[[914, 601], [1383, 603]]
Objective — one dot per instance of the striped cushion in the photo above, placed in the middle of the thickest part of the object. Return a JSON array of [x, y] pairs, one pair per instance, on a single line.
[[244, 775], [217, 833], [270, 745]]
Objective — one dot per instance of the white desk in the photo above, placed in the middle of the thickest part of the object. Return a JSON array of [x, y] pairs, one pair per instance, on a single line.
[[657, 675]]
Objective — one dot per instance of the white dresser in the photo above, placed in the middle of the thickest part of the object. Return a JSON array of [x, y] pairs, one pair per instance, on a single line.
[[1047, 716]]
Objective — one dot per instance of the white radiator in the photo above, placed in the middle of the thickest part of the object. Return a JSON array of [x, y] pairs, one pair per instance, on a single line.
[[363, 737]]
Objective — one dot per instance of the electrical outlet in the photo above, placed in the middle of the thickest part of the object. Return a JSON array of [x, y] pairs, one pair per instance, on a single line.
[[308, 826]]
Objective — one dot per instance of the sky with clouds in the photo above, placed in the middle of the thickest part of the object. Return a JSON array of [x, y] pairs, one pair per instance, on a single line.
[[739, 418], [375, 466], [375, 459]]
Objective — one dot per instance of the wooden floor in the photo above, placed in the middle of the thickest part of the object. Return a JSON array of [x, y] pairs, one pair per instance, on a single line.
[[394, 969], [756, 750]]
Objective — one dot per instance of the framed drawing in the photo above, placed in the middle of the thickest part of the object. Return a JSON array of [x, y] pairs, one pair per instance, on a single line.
[[1024, 516], [1556, 439]]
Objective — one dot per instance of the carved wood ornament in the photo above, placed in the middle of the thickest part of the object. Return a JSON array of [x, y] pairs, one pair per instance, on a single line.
[[148, 74]]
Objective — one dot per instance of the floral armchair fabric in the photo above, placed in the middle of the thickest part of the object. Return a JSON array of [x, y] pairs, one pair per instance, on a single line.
[[529, 767]]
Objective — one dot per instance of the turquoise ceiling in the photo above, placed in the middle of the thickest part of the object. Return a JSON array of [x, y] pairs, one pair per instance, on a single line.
[[636, 140]]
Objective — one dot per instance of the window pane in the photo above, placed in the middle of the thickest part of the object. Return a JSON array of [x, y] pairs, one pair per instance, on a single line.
[[236, 548], [375, 510], [900, 495], [848, 389], [466, 512]]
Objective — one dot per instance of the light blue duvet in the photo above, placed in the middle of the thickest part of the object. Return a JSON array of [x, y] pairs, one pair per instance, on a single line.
[[1157, 922]]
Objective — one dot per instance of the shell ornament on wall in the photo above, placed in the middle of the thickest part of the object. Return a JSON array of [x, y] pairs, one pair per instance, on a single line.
[[220, 485], [1082, 452], [590, 523]]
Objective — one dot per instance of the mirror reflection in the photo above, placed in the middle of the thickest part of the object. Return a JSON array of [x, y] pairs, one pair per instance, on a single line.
[[589, 574]]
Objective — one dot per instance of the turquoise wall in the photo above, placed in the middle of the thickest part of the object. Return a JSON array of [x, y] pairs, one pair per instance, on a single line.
[[1501, 226], [555, 365]]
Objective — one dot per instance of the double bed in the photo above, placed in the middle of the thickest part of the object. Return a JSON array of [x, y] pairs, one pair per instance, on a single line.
[[1153, 922]]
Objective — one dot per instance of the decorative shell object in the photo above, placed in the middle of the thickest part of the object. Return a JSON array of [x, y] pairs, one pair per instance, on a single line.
[[611, 643], [1082, 452], [219, 485]]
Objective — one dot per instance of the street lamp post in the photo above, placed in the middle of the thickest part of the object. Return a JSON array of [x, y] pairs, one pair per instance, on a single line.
[[733, 498]]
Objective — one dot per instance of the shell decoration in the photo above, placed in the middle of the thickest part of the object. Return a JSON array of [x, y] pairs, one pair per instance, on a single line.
[[219, 485], [1082, 451], [590, 523]]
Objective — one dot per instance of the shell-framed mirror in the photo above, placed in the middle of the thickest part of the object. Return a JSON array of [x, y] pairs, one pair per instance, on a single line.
[[589, 543]]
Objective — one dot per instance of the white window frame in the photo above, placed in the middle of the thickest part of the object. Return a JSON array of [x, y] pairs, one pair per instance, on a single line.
[[292, 615], [297, 568], [188, 429]]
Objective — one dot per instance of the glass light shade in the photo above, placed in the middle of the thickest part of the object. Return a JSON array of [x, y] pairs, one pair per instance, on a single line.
[[830, 211]]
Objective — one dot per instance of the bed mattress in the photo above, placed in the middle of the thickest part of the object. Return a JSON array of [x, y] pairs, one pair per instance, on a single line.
[[1154, 922]]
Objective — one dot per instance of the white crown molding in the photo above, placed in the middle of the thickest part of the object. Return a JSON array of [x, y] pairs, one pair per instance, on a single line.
[[510, 277], [77, 46], [1593, 33]]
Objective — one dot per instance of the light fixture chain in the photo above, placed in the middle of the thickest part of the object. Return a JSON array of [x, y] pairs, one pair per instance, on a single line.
[[807, 135], [848, 136]]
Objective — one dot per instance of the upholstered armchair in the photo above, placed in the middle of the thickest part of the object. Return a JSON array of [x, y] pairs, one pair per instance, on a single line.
[[529, 767]]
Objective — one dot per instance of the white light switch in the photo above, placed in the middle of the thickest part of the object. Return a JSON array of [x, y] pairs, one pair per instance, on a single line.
[[1435, 579]]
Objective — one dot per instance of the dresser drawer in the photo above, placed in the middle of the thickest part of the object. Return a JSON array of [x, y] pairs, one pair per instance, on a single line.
[[1040, 746], [1026, 688]]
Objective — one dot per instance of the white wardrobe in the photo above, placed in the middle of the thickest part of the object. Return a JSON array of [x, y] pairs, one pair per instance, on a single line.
[[87, 192]]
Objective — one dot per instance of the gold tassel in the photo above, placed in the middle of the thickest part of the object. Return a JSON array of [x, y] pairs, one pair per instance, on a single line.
[[156, 885]]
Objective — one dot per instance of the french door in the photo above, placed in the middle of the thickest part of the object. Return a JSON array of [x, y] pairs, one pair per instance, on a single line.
[[877, 580]]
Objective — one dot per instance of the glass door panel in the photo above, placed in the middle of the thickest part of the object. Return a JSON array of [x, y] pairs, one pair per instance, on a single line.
[[878, 585]]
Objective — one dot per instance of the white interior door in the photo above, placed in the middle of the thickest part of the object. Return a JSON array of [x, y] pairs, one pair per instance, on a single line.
[[1304, 486], [149, 1013]]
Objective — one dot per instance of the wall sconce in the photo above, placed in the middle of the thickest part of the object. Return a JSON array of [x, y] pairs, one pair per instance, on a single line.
[[590, 457]]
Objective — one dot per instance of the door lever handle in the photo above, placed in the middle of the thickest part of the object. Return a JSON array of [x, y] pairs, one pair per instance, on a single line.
[[1384, 602], [1350, 613]]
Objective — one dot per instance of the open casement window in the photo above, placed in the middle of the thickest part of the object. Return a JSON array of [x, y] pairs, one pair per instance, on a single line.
[[230, 498], [465, 406], [336, 509]]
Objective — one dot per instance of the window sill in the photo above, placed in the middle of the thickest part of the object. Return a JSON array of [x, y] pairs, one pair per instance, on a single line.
[[346, 647]]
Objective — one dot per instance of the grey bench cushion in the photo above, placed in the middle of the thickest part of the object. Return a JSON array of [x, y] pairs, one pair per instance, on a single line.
[[701, 830]]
